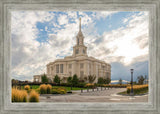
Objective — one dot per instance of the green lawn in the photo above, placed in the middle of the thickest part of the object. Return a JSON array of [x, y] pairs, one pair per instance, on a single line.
[[67, 88]]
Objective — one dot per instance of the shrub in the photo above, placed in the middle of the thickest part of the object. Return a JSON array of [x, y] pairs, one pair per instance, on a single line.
[[34, 96], [19, 95], [81, 85], [43, 89], [27, 87], [66, 84], [49, 88]]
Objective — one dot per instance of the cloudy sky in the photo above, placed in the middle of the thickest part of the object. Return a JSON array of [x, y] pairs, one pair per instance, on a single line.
[[119, 38]]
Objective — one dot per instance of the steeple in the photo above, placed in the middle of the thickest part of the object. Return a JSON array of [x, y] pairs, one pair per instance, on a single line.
[[79, 24], [80, 36], [80, 49]]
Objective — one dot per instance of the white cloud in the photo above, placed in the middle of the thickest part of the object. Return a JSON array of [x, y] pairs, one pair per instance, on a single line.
[[62, 19], [26, 51], [124, 44], [30, 56]]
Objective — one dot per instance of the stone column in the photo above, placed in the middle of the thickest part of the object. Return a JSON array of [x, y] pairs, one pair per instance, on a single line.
[[74, 68]]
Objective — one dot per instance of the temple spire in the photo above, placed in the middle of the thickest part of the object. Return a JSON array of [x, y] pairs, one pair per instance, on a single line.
[[79, 24]]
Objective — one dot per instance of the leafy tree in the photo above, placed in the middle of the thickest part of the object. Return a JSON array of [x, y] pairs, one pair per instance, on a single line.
[[69, 79], [140, 79], [75, 80], [44, 78], [85, 78], [107, 81], [57, 79], [100, 80], [120, 81], [91, 78]]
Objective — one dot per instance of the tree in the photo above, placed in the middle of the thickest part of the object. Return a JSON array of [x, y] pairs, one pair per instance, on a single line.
[[100, 80], [140, 79], [85, 78], [57, 79], [69, 79], [107, 81], [91, 78], [75, 80], [44, 78], [120, 81]]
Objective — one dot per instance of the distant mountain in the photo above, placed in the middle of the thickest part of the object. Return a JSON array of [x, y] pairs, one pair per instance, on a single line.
[[117, 81]]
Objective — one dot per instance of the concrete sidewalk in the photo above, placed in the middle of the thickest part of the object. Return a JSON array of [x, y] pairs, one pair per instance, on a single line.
[[95, 96]]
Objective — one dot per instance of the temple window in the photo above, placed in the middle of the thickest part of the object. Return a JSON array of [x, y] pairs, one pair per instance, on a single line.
[[84, 51], [57, 68], [77, 51], [70, 73], [81, 74], [81, 65], [61, 68], [78, 41], [70, 66]]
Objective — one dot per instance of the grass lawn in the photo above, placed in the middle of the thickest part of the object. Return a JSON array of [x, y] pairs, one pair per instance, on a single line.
[[140, 93], [67, 88]]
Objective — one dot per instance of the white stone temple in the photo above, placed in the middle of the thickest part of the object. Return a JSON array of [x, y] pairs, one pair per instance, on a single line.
[[79, 63]]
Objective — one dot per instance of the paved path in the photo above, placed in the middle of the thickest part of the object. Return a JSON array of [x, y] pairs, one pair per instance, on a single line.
[[95, 96]]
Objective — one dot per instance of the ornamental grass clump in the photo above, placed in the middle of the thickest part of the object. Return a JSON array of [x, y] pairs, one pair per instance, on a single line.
[[27, 87], [90, 85], [19, 95], [43, 89], [49, 88], [34, 96], [137, 88], [59, 91]]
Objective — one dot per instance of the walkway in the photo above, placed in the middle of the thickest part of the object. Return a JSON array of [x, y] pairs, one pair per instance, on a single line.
[[94, 96]]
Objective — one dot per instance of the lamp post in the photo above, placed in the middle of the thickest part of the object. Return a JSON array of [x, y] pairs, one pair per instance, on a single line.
[[131, 81]]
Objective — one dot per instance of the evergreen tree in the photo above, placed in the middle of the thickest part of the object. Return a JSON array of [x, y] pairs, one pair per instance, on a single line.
[[57, 79], [75, 80], [44, 78], [69, 80], [100, 80]]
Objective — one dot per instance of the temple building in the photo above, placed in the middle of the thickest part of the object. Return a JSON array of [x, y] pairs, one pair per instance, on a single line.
[[78, 63]]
